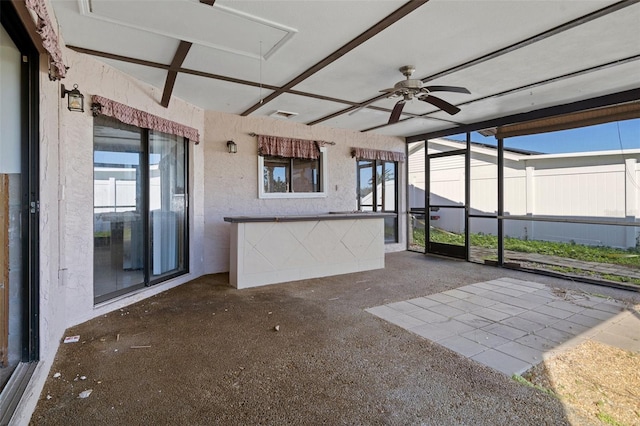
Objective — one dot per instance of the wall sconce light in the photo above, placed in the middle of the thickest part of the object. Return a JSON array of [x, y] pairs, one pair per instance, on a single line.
[[232, 147], [75, 100]]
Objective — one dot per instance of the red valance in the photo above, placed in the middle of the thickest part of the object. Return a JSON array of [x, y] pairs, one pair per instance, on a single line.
[[143, 119], [376, 154], [49, 38], [289, 147]]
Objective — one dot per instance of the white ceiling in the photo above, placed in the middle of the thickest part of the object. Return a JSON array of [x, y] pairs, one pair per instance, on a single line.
[[243, 51]]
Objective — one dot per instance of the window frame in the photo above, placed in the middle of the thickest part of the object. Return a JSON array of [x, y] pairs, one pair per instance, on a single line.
[[374, 207], [284, 195]]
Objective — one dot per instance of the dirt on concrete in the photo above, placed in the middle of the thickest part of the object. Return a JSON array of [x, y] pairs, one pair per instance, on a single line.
[[295, 353]]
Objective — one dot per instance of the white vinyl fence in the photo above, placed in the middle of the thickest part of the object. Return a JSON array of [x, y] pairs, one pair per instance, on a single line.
[[588, 186]]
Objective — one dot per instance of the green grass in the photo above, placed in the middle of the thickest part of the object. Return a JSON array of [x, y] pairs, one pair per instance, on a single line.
[[518, 378], [599, 254], [606, 418]]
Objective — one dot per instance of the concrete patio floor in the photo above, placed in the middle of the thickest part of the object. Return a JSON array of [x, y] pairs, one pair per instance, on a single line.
[[205, 353]]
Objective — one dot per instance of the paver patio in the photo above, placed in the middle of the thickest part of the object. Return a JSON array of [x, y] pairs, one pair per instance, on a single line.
[[511, 325]]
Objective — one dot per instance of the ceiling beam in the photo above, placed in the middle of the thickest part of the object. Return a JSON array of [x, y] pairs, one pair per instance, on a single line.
[[371, 32], [119, 57], [598, 102], [176, 63], [205, 74]]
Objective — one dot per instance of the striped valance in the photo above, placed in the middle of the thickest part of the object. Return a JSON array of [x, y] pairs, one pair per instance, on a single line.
[[142, 119], [289, 147], [49, 38], [376, 154]]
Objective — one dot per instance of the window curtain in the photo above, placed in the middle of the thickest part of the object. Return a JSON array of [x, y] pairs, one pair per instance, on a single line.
[[376, 154], [49, 38], [143, 119], [289, 147]]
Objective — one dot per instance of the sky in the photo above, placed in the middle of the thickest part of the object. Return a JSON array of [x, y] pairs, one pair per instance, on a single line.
[[603, 137]]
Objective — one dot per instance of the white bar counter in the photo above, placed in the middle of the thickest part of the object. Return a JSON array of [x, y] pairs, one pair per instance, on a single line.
[[274, 249]]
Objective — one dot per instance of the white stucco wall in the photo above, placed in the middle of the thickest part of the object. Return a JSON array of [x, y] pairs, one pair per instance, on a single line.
[[221, 185], [76, 179], [231, 180], [66, 202]]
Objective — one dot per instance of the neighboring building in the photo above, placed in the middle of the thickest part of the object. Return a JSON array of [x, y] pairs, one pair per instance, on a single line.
[[594, 186]]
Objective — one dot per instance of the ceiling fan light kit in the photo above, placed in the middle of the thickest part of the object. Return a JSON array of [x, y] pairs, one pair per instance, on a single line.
[[410, 89]]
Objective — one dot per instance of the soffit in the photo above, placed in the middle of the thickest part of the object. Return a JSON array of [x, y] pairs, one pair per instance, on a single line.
[[572, 121]]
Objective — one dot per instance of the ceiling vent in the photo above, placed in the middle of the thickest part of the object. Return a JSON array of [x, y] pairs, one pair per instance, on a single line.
[[285, 115]]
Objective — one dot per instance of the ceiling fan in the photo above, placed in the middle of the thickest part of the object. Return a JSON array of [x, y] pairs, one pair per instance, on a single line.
[[411, 89]]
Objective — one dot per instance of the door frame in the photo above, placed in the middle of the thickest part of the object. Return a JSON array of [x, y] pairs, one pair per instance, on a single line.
[[29, 206], [450, 250]]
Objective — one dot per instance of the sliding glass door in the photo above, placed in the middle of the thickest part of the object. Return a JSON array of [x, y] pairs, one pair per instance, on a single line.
[[139, 208], [167, 204], [19, 208], [118, 219]]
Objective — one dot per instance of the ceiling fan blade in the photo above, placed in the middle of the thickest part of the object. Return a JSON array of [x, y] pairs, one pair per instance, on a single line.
[[456, 89], [440, 103], [397, 110], [391, 90]]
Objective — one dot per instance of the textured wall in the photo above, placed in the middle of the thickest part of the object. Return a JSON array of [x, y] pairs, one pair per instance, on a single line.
[[220, 185], [231, 180], [76, 178]]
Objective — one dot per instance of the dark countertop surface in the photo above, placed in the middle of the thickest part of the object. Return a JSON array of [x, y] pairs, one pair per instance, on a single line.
[[308, 217]]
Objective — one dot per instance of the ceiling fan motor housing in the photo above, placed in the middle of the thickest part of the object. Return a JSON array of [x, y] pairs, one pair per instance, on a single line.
[[409, 85]]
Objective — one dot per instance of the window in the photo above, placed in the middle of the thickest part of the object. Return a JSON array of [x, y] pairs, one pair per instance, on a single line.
[[140, 207], [292, 177], [377, 192]]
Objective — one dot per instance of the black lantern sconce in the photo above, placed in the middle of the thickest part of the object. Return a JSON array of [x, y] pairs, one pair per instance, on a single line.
[[75, 99], [232, 147]]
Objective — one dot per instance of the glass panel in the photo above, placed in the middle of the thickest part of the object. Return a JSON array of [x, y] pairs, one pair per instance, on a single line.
[[415, 194], [447, 181], [365, 185], [483, 240], [118, 208], [484, 181], [587, 174], [391, 230], [379, 189], [603, 252], [276, 174], [305, 176], [388, 202], [446, 226], [167, 203], [447, 144], [416, 231], [12, 275]]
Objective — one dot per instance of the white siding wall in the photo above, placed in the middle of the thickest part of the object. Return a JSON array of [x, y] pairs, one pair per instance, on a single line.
[[583, 186], [597, 191]]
